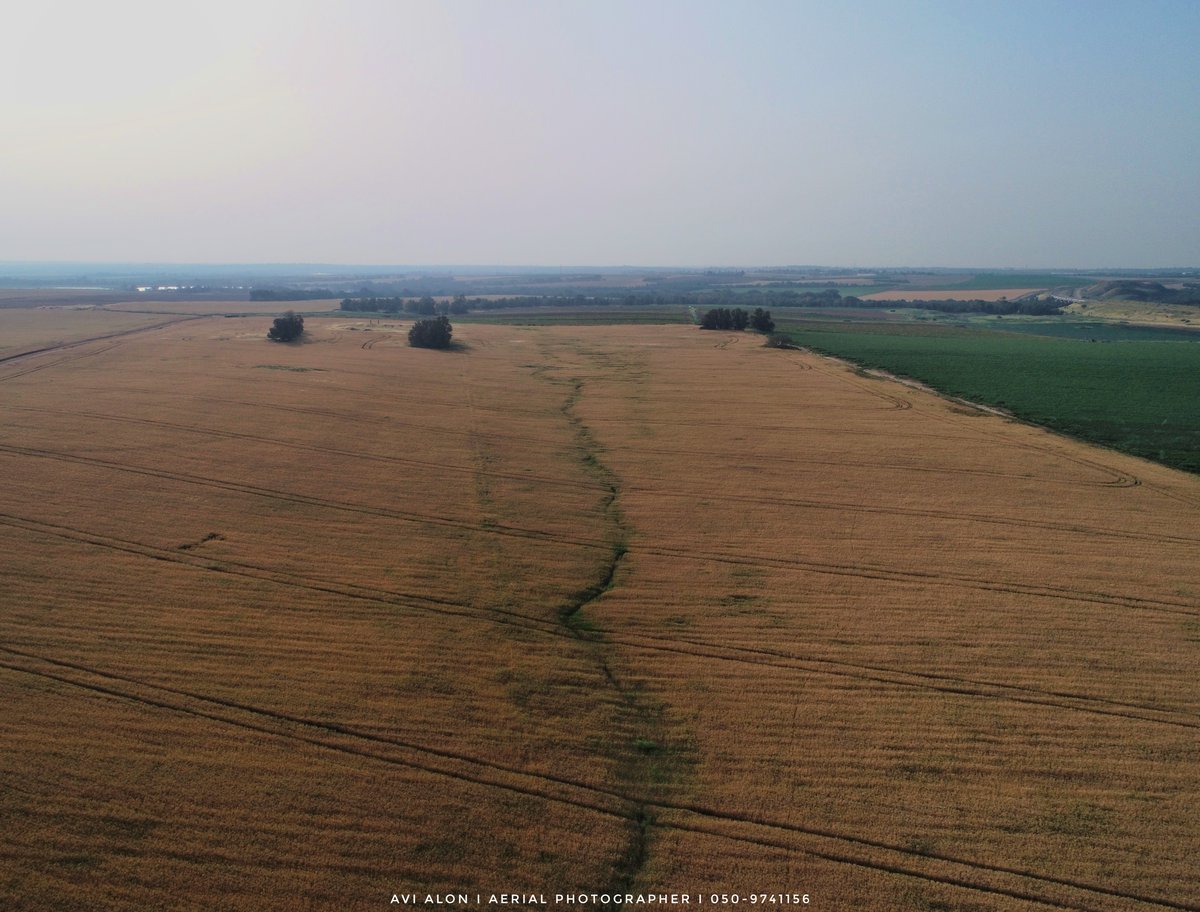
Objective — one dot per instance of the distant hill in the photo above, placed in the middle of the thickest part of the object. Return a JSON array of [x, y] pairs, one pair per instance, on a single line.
[[1132, 290]]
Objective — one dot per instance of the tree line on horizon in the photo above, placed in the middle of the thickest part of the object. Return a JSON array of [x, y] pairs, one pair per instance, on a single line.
[[460, 304], [426, 305]]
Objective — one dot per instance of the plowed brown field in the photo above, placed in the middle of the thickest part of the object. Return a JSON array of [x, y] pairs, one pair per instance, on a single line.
[[577, 609]]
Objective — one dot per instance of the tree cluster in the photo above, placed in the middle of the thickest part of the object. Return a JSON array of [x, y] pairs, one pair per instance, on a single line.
[[425, 306], [287, 328], [720, 300], [737, 319], [291, 294], [433, 333], [760, 321], [725, 318]]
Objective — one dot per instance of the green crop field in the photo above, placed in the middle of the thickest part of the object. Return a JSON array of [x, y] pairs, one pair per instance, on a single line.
[[1141, 397], [1100, 331]]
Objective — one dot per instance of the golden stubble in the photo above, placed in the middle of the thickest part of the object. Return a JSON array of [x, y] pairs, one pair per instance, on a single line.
[[577, 608]]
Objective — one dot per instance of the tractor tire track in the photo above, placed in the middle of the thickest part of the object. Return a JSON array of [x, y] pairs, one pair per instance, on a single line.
[[857, 570], [473, 777], [450, 406], [895, 677], [573, 792], [309, 447], [1120, 478], [424, 519], [122, 335], [539, 445], [987, 519], [77, 343], [66, 360], [804, 503], [916, 577], [898, 403]]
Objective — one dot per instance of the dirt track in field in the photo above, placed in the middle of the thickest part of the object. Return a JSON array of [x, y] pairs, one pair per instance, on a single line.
[[576, 609]]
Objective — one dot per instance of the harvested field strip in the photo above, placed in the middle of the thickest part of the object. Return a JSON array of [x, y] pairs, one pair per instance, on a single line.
[[473, 770], [63, 346], [1114, 479], [896, 677], [382, 416], [948, 684], [861, 570], [41, 367], [353, 454], [893, 466], [867, 571], [897, 401], [346, 590], [473, 773], [846, 507], [450, 407], [1121, 479], [274, 494], [803, 503]]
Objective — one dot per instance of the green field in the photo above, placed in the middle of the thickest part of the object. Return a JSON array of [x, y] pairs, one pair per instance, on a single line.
[[1099, 331], [1141, 397]]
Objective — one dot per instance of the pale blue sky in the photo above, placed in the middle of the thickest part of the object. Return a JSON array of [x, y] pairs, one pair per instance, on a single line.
[[857, 133]]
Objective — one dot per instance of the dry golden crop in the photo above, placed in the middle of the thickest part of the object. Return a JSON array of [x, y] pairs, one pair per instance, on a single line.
[[577, 609]]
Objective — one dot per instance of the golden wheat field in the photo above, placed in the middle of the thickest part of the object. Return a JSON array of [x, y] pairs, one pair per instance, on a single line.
[[575, 609]]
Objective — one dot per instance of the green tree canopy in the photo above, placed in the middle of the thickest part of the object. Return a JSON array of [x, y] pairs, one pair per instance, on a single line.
[[431, 333], [287, 328]]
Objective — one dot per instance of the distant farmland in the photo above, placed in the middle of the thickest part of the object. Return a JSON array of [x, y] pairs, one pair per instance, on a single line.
[[941, 294], [574, 609]]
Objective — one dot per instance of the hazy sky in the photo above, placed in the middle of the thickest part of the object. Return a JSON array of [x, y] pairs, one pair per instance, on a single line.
[[650, 132]]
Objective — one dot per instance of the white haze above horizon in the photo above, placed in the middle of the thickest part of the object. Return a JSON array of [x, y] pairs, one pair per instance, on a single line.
[[1036, 134]]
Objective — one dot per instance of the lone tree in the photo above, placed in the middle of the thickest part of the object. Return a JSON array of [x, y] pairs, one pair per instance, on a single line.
[[287, 328], [431, 333]]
